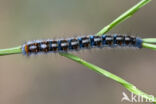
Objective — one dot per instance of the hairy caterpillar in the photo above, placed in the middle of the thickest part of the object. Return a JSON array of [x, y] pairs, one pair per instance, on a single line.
[[78, 43]]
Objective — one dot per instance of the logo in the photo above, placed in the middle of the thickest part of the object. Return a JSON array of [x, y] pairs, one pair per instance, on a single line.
[[135, 99]]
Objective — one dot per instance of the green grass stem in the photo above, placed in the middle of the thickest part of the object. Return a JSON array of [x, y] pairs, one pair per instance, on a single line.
[[9, 51], [149, 40], [101, 71], [123, 17], [149, 46]]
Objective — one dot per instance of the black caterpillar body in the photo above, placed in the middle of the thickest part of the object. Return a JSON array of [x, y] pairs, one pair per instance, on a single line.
[[82, 42]]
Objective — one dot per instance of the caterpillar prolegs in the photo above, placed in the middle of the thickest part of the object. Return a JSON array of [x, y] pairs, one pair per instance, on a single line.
[[78, 43]]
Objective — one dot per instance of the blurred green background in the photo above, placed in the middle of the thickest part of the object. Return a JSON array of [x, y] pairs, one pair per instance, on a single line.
[[53, 79]]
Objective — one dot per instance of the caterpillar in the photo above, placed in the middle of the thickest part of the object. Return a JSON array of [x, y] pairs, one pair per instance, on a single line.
[[78, 43]]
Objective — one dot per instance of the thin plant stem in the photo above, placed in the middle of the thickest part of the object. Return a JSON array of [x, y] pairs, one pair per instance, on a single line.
[[149, 40], [9, 51], [101, 71], [123, 17], [148, 45]]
